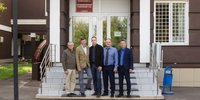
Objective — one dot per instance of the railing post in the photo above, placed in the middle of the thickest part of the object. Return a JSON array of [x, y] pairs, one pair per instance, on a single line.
[[41, 78], [55, 53], [51, 56], [46, 63], [156, 62]]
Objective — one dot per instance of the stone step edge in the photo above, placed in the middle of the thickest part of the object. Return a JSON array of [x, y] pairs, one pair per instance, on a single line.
[[94, 98]]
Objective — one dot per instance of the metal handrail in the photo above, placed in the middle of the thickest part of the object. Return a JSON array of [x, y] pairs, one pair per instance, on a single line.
[[156, 61], [47, 62]]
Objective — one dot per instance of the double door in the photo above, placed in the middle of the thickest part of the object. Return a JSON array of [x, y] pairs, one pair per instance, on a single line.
[[115, 27]]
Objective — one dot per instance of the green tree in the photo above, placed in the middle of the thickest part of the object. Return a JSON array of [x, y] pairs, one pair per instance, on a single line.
[[80, 29], [104, 31], [118, 24]]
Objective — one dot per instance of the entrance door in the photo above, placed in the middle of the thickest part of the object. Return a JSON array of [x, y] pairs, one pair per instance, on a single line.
[[103, 27], [107, 19]]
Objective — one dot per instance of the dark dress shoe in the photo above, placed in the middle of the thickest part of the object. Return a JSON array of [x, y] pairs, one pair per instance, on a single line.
[[104, 94], [87, 88], [98, 95], [83, 95], [112, 95], [95, 93], [72, 94], [128, 96], [69, 95], [64, 95], [120, 95]]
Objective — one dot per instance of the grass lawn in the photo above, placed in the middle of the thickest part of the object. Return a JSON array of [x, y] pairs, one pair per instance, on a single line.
[[6, 70]]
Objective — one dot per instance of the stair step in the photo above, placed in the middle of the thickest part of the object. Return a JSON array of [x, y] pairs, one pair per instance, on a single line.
[[77, 86], [136, 97], [136, 65], [78, 89], [139, 65], [63, 80], [90, 92], [49, 76], [60, 69], [142, 84], [136, 86], [138, 75]]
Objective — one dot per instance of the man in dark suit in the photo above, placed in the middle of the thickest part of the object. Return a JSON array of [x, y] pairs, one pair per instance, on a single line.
[[96, 62], [125, 67]]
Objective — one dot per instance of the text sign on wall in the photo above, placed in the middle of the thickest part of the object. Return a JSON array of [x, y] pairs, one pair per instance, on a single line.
[[84, 5]]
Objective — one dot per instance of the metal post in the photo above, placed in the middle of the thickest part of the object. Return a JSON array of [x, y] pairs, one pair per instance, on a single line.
[[15, 50], [54, 53], [51, 55]]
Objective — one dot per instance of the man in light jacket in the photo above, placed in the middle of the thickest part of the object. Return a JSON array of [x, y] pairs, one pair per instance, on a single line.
[[82, 59]]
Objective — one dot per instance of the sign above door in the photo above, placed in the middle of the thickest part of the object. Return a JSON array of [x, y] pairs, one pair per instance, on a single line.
[[84, 6]]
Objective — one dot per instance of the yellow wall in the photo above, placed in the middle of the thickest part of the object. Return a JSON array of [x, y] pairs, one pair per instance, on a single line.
[[183, 77]]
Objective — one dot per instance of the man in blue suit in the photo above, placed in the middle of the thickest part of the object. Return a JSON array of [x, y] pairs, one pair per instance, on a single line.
[[125, 67]]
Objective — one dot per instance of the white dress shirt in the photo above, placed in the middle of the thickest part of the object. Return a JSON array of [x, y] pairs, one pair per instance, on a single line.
[[84, 49]]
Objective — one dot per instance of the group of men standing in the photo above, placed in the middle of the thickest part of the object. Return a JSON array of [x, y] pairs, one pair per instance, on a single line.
[[94, 61]]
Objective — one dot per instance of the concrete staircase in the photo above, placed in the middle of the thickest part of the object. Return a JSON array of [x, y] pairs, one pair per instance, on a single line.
[[142, 83]]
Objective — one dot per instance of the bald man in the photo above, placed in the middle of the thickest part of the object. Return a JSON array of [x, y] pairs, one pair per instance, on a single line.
[[69, 66], [110, 67]]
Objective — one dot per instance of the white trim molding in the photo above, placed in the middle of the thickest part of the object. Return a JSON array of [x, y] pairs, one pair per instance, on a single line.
[[5, 28], [55, 28], [46, 13], [30, 21], [144, 31]]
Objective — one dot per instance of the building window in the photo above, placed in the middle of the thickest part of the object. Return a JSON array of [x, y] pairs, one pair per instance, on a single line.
[[171, 22]]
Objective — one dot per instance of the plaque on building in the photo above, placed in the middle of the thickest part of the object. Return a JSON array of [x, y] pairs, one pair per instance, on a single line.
[[84, 5]]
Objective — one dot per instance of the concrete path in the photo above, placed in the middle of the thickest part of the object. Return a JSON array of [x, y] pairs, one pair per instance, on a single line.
[[184, 94], [27, 88]]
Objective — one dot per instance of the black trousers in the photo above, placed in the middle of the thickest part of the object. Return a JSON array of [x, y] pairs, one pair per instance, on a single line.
[[124, 72], [108, 73], [96, 74]]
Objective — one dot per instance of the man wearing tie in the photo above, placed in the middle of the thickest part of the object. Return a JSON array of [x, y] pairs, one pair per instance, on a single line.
[[125, 67], [110, 67]]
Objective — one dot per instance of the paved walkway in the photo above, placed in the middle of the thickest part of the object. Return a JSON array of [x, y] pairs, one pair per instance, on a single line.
[[28, 89], [184, 94]]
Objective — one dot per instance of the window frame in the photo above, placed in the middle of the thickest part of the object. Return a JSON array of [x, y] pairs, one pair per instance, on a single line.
[[186, 34]]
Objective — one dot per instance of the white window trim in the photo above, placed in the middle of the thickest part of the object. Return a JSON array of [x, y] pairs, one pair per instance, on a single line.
[[186, 22], [45, 7], [30, 21]]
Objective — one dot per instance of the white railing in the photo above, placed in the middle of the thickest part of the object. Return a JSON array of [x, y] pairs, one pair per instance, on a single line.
[[47, 62], [156, 61]]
